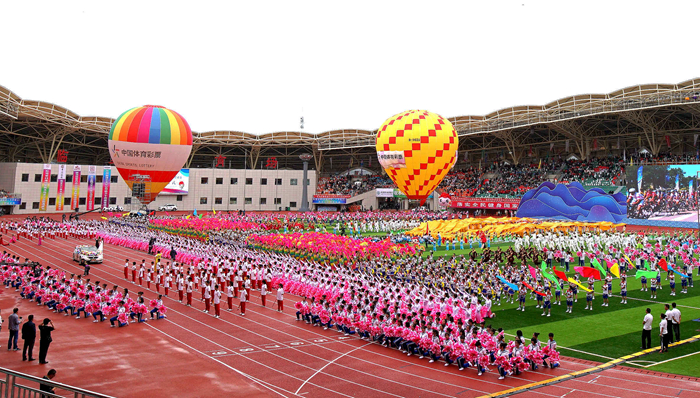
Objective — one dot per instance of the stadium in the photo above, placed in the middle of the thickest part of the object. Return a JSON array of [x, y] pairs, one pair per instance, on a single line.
[[219, 242], [587, 138]]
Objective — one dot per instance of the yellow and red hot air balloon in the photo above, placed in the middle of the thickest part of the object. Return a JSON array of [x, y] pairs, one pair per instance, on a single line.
[[150, 140], [417, 149]]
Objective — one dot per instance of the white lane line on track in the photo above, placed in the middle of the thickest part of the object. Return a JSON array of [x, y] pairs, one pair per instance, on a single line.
[[267, 385], [326, 365]]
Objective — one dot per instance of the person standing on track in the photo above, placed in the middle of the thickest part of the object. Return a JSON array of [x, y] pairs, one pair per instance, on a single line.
[[190, 287], [229, 296], [217, 301], [45, 330], [243, 297], [29, 336], [280, 298], [646, 329], [14, 320], [263, 293]]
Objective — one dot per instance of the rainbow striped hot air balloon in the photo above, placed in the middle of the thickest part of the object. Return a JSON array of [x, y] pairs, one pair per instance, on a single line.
[[150, 140]]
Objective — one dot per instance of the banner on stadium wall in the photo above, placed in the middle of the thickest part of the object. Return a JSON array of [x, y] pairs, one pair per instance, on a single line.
[[484, 203], [385, 192], [639, 178], [61, 189], [90, 202], [75, 197], [330, 199], [45, 180], [106, 182]]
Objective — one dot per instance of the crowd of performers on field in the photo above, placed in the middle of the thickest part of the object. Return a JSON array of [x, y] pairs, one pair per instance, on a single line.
[[409, 303], [73, 295]]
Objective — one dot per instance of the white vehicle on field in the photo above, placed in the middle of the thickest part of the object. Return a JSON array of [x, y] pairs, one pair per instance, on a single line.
[[113, 208], [168, 207], [87, 254]]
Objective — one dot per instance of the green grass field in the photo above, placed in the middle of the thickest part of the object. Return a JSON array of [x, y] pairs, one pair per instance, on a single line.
[[606, 332]]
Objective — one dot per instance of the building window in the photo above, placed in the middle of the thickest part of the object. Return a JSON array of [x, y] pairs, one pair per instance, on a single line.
[[204, 180], [81, 201], [178, 198], [98, 179], [52, 201], [83, 178], [308, 182], [112, 201], [25, 177], [293, 181], [219, 180], [248, 201], [233, 201], [114, 179], [218, 201], [127, 201], [37, 177], [292, 204], [248, 181], [69, 178], [263, 201], [202, 201], [54, 177], [263, 181], [35, 205], [278, 181], [66, 201], [23, 206], [278, 201], [98, 200], [234, 181]]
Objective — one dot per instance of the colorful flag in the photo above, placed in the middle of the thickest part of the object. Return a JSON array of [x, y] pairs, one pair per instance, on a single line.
[[75, 197], [646, 274], [90, 202], [682, 275], [61, 189], [527, 285], [599, 267], [663, 264], [510, 285], [587, 272], [533, 272], [106, 183], [560, 274], [572, 280], [45, 180], [547, 275]]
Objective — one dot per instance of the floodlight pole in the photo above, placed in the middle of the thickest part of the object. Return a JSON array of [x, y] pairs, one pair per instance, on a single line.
[[305, 157]]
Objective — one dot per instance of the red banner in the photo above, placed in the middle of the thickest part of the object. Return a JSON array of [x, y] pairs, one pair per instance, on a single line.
[[485, 203]]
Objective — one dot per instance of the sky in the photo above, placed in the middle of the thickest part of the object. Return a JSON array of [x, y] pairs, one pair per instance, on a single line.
[[258, 66]]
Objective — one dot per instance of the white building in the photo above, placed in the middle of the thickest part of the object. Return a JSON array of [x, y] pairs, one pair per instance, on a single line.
[[218, 189]]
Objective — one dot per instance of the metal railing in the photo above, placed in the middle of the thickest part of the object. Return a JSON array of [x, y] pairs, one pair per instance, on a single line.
[[20, 385]]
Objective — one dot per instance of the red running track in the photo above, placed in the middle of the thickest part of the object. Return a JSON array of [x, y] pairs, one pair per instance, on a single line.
[[265, 353]]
